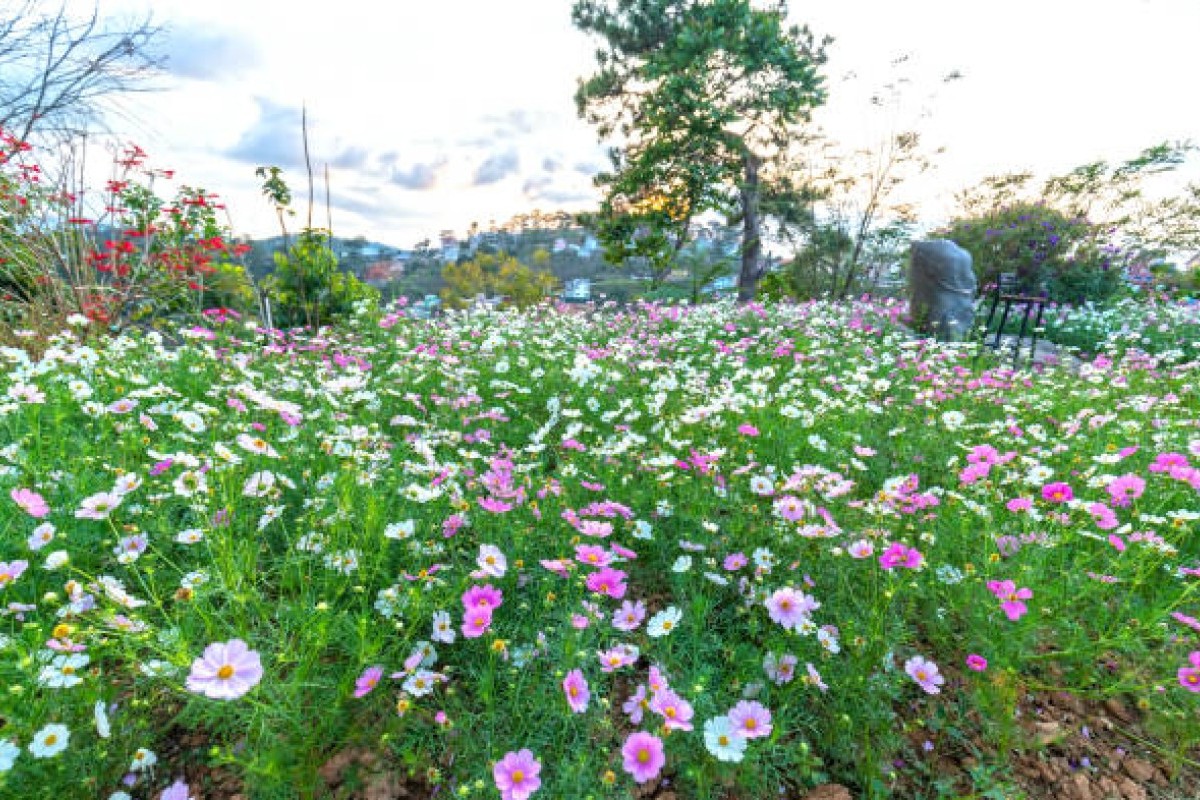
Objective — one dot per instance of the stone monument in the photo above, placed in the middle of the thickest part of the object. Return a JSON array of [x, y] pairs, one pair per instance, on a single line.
[[941, 290]]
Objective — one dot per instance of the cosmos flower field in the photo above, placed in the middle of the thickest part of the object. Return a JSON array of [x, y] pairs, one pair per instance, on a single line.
[[722, 552]]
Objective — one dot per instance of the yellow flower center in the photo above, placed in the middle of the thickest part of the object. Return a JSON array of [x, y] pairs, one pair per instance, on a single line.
[[643, 756], [518, 776], [68, 670], [723, 740], [225, 672], [751, 724], [670, 712], [50, 740]]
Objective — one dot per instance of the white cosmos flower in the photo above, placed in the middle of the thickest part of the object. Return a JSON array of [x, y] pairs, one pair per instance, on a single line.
[[8, 754], [50, 741], [662, 623], [100, 713], [723, 740]]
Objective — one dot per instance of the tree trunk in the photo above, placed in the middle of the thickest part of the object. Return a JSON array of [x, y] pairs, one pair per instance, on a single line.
[[751, 238]]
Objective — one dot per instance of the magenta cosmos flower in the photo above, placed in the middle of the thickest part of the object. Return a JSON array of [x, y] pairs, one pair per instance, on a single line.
[[925, 673], [30, 502], [607, 581], [226, 671], [899, 554], [1189, 677], [575, 686], [517, 775], [1011, 598], [976, 662], [486, 597], [751, 719], [644, 757], [1057, 492]]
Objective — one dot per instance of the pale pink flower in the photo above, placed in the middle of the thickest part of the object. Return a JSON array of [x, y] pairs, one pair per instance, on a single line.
[[30, 502], [575, 686], [516, 775], [226, 670]]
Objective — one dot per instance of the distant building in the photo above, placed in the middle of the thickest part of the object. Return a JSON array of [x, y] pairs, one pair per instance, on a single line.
[[382, 272], [450, 247], [578, 290]]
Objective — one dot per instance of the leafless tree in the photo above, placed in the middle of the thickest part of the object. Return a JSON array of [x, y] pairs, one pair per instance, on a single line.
[[59, 72]]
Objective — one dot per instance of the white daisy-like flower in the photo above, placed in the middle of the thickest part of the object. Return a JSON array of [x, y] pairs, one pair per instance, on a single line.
[[50, 741], [443, 628], [8, 754], [664, 622], [100, 714], [142, 759], [492, 561], [723, 741], [190, 536], [401, 530], [63, 671]]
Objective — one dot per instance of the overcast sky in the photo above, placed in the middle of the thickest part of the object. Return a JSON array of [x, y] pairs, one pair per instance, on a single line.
[[433, 115]]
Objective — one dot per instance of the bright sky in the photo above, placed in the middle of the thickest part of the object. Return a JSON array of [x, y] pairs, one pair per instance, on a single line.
[[433, 115]]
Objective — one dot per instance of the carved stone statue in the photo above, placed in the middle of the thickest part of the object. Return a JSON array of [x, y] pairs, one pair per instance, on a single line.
[[941, 290]]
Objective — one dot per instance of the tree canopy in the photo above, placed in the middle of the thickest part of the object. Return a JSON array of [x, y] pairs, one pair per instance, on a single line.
[[701, 94]]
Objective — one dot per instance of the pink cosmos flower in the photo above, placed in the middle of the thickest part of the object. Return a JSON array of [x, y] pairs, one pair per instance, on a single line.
[[616, 657], [576, 688], [10, 571], [367, 681], [976, 662], [1019, 504], [226, 671], [629, 616], [780, 669], [790, 608], [1125, 489], [861, 549], [623, 552], [476, 622], [559, 566], [751, 719], [1165, 462], [593, 555], [595, 527], [1057, 492], [607, 581], [925, 673], [30, 502], [675, 711], [656, 679], [486, 597], [494, 506], [899, 554], [516, 775], [746, 429], [734, 561], [1104, 517], [636, 705], [1189, 677], [644, 758], [1011, 598]]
